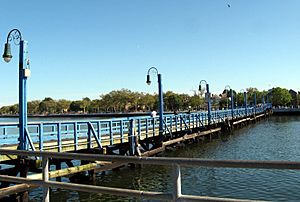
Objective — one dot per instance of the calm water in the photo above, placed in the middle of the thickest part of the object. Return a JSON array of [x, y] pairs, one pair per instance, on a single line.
[[277, 138]]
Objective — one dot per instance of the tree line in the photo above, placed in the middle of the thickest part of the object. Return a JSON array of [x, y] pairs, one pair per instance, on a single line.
[[125, 100]]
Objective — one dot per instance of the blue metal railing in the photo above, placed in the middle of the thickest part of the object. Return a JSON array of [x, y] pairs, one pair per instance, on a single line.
[[95, 133]]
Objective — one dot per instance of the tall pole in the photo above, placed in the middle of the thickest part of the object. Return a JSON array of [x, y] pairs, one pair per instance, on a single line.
[[231, 100], [232, 103], [227, 107], [254, 103], [245, 102], [208, 104], [161, 105], [22, 95], [24, 72], [160, 98]]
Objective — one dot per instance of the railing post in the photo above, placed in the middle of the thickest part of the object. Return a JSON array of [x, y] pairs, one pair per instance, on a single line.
[[176, 122], [263, 102], [180, 122], [245, 102], [153, 126], [75, 136], [46, 191], [232, 104], [131, 138], [139, 129], [255, 103], [147, 129], [41, 139], [89, 133], [121, 131], [208, 104], [166, 124], [59, 137], [111, 135], [177, 182], [99, 130]]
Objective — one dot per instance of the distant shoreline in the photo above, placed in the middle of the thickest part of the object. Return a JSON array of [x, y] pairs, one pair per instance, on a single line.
[[102, 115], [288, 111], [81, 115]]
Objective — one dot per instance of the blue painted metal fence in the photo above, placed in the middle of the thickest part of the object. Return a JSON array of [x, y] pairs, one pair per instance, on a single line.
[[96, 133]]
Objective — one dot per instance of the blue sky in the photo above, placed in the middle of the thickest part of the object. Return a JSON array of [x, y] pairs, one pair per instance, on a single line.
[[87, 48]]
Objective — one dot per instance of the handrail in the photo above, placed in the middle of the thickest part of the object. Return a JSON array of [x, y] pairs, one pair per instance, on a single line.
[[187, 162], [176, 163], [117, 128]]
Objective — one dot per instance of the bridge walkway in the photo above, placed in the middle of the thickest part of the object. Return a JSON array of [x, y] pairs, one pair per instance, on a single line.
[[75, 136]]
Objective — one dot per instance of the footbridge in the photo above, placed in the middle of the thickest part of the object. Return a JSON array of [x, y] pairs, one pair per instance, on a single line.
[[123, 136], [54, 143]]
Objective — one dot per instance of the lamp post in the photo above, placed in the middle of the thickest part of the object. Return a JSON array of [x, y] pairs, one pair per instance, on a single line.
[[231, 100], [226, 89], [245, 100], [160, 97], [24, 73], [207, 97], [254, 103], [269, 96]]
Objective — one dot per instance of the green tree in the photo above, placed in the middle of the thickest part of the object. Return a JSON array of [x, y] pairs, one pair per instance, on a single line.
[[95, 106], [48, 105], [240, 99], [9, 109], [14, 109], [196, 101], [147, 101], [172, 101], [117, 100], [75, 106], [85, 103], [224, 103], [185, 101], [250, 94], [63, 105], [136, 101], [281, 96], [33, 107]]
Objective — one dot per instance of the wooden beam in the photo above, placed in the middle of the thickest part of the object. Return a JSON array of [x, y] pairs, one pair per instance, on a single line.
[[52, 174], [186, 137], [14, 189], [66, 171], [154, 151]]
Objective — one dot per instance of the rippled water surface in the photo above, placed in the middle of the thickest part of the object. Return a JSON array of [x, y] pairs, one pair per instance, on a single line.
[[277, 138]]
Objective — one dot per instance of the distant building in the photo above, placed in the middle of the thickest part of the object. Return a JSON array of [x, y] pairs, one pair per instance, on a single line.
[[294, 102]]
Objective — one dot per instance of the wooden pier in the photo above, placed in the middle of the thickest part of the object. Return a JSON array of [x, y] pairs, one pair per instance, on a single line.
[[133, 136]]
